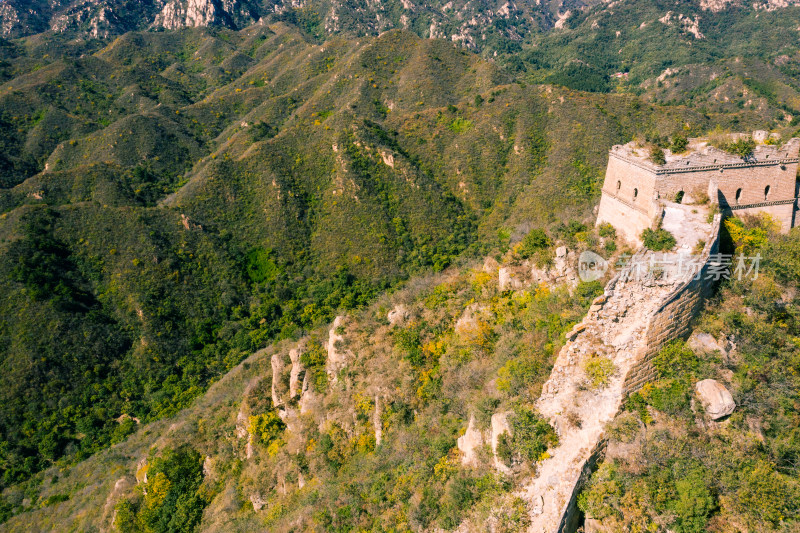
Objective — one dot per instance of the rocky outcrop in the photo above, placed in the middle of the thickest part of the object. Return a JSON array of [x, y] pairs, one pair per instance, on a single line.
[[398, 315], [470, 319], [561, 272], [277, 373], [377, 420], [122, 485], [297, 373], [258, 501], [337, 357], [469, 442], [704, 343], [508, 280], [717, 401], [500, 426]]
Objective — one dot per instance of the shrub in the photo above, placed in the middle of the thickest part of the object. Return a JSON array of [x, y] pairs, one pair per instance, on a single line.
[[607, 231], [694, 503], [679, 144], [531, 435], [314, 360], [675, 360], [266, 427], [174, 498], [658, 240], [751, 233], [535, 240], [657, 155], [742, 147], [599, 370], [514, 377], [601, 496]]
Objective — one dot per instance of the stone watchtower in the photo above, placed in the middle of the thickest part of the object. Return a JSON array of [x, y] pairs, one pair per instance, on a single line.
[[636, 190]]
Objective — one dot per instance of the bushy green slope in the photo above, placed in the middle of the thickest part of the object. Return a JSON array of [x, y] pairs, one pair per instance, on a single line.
[[172, 201]]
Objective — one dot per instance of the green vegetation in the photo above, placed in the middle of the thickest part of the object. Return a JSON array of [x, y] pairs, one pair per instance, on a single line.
[[530, 439], [172, 499], [658, 240], [657, 155], [173, 202], [599, 370], [534, 242], [679, 144], [742, 147]]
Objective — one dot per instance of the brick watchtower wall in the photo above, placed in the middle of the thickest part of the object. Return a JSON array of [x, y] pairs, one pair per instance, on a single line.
[[765, 181], [628, 198]]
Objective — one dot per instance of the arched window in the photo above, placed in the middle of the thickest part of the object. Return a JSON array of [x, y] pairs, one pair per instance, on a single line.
[[766, 192], [738, 195], [619, 185], [679, 197], [635, 193]]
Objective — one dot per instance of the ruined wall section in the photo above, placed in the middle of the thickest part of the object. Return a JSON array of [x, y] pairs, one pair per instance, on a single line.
[[673, 316]]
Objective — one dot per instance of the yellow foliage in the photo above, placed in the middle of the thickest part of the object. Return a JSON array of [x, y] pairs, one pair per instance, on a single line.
[[446, 466], [480, 280], [363, 404], [751, 233], [157, 490], [434, 349], [365, 442]]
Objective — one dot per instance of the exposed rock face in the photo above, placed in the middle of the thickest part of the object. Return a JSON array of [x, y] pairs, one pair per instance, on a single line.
[[470, 318], [297, 372], [507, 280], [258, 501], [398, 315], [121, 486], [563, 270], [469, 442], [337, 358], [717, 401], [277, 371], [500, 425], [208, 467], [241, 423], [377, 420]]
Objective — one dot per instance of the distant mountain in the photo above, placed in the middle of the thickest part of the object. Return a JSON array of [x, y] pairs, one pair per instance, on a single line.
[[475, 23]]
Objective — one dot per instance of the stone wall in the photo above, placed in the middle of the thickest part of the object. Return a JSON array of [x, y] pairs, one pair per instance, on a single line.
[[634, 186], [628, 199], [672, 318]]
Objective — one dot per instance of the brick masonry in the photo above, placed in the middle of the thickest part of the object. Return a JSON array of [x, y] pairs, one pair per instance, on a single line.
[[673, 316], [634, 187]]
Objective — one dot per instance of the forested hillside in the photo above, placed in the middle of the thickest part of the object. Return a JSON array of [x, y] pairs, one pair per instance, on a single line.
[[173, 202]]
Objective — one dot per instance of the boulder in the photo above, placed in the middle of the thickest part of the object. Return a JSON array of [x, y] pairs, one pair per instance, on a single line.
[[398, 315], [701, 342], [716, 399]]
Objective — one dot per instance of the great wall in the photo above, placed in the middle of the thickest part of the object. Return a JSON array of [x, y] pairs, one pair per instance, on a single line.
[[651, 301]]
